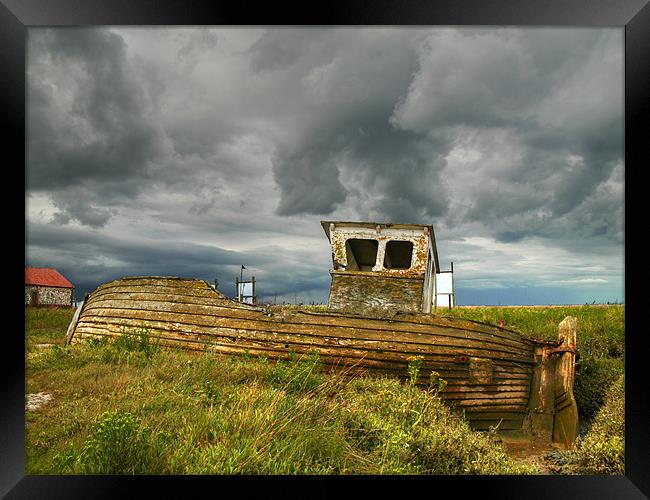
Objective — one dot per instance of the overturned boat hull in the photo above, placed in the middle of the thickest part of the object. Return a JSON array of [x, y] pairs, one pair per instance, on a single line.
[[494, 375]]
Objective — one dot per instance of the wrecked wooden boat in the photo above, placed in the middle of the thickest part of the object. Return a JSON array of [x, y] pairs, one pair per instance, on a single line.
[[378, 321]]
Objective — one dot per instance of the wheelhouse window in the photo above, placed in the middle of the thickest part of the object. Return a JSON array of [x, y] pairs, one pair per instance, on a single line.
[[361, 254], [398, 255]]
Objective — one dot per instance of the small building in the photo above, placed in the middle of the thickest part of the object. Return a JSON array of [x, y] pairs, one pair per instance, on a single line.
[[382, 266], [44, 286]]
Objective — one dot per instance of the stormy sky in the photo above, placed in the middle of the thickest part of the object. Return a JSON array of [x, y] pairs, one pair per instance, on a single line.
[[191, 151]]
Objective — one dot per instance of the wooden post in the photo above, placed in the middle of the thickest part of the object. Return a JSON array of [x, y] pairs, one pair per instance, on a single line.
[[552, 411], [254, 292], [73, 324], [565, 424]]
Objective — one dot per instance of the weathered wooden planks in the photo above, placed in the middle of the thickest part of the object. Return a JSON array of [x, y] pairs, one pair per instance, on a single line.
[[357, 291], [325, 336], [414, 331], [487, 369]]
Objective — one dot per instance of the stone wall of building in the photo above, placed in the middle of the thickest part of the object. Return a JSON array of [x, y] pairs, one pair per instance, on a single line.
[[363, 291], [48, 296]]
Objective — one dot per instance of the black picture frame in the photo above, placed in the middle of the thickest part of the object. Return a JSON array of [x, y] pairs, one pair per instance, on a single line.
[[633, 15]]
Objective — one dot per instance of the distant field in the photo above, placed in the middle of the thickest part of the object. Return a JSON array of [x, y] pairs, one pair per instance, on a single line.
[[128, 407]]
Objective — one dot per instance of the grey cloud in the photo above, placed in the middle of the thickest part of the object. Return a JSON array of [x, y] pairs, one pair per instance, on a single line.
[[78, 208], [350, 147], [401, 172], [89, 118], [510, 236], [553, 105], [198, 41], [511, 134], [483, 79], [89, 258], [310, 184], [84, 255], [279, 49]]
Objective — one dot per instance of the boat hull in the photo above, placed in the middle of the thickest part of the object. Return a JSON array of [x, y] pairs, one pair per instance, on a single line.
[[488, 369]]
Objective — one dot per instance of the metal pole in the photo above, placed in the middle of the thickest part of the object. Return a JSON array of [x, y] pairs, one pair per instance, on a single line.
[[453, 291]]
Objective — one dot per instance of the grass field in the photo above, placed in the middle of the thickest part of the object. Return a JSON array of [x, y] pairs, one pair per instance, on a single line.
[[127, 407]]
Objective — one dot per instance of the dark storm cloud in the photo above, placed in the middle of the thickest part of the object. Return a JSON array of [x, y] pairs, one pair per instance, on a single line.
[[89, 258], [89, 119], [73, 203], [546, 104], [548, 122], [139, 251], [226, 135], [309, 182], [351, 147], [94, 257], [278, 49]]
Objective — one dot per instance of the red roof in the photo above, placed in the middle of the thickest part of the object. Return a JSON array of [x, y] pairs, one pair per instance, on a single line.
[[44, 276]]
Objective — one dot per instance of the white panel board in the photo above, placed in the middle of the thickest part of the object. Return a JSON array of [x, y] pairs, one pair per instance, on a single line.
[[443, 300], [246, 289], [444, 283], [445, 290]]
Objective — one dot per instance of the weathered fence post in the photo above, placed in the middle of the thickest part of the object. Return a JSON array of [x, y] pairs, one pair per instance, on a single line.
[[565, 424], [553, 413], [73, 323]]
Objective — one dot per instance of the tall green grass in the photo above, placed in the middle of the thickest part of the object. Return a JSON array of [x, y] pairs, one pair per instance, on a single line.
[[179, 412], [46, 325], [125, 406], [602, 450]]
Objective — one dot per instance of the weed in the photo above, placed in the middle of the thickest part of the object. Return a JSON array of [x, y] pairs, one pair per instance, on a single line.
[[116, 445], [177, 412], [602, 450], [436, 382], [415, 363], [298, 373], [594, 375], [95, 342]]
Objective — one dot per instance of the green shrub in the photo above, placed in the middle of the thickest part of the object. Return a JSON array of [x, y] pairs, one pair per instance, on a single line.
[[139, 341], [130, 347], [404, 430], [602, 450], [95, 342], [413, 368], [116, 445], [593, 377]]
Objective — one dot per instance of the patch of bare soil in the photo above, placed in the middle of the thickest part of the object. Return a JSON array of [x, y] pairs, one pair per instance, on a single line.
[[36, 400], [537, 452]]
